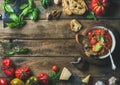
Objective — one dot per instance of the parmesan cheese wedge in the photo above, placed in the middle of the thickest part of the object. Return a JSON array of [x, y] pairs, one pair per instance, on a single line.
[[86, 79], [65, 74]]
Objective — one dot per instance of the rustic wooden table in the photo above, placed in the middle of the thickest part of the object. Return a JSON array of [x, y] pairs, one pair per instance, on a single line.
[[53, 43]]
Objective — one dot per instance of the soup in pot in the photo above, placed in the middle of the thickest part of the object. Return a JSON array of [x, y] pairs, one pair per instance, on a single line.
[[100, 42]]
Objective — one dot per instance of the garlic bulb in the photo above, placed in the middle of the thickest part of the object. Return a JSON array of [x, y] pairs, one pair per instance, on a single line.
[[57, 2], [112, 80], [99, 83]]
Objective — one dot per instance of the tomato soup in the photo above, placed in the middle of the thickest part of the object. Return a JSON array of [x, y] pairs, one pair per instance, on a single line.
[[100, 41]]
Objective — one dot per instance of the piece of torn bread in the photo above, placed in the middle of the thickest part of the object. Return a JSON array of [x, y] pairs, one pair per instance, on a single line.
[[75, 25], [77, 7]]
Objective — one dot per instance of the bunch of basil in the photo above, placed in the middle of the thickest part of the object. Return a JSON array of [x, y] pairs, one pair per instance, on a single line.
[[28, 10]]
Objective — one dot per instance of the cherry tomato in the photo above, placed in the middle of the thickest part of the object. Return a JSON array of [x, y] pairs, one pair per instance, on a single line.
[[4, 81], [55, 68], [93, 41], [103, 32]]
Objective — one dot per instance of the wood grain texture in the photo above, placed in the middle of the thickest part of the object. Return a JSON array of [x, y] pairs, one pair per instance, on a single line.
[[44, 29], [53, 43], [50, 48]]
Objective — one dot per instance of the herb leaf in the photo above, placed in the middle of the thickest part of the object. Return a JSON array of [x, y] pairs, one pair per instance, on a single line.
[[23, 6], [12, 24], [91, 15], [14, 17], [8, 8], [23, 50], [9, 53]]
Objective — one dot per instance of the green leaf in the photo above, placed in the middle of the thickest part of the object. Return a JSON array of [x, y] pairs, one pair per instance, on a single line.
[[31, 3], [23, 50], [23, 6], [9, 53], [14, 17], [12, 24], [31, 16], [101, 38], [9, 1], [91, 15], [47, 2], [26, 11], [99, 47], [8, 8], [43, 3], [35, 14]]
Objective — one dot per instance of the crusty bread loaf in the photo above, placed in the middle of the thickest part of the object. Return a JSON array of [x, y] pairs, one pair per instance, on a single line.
[[77, 7], [66, 9]]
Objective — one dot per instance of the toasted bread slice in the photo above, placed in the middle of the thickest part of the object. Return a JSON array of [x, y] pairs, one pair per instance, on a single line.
[[65, 5], [75, 25], [77, 7]]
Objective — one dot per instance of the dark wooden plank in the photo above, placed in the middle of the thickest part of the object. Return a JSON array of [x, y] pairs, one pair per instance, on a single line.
[[44, 29], [50, 48]]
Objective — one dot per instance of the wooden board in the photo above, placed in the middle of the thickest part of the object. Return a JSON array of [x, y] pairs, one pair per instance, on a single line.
[[44, 29], [53, 43]]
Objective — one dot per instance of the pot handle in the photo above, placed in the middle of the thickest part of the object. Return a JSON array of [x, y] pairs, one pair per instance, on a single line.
[[80, 64]]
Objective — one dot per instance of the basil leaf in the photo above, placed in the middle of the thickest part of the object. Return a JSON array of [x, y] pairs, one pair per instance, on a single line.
[[26, 11], [31, 16], [47, 2], [35, 14], [23, 6], [101, 39], [8, 8], [12, 24], [9, 53], [31, 3], [91, 15], [14, 17], [9, 1], [23, 50]]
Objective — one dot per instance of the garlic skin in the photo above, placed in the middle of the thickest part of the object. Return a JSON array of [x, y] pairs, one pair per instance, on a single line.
[[112, 80], [57, 2], [99, 83]]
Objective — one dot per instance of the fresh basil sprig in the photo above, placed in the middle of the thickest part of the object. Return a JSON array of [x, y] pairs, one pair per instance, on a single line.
[[9, 49], [91, 15], [28, 10], [45, 3]]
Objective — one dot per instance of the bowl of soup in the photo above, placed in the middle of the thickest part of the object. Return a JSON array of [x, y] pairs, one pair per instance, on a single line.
[[101, 40]]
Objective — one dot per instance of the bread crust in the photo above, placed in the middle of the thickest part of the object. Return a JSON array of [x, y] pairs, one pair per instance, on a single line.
[[75, 25], [77, 7]]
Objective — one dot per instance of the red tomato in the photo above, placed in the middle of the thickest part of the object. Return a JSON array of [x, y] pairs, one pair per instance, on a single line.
[[4, 81], [55, 68], [103, 32], [93, 41], [23, 73], [44, 79], [8, 67], [99, 6]]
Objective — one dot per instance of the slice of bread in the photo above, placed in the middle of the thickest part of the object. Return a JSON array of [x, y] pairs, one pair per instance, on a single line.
[[75, 25], [77, 7], [66, 9]]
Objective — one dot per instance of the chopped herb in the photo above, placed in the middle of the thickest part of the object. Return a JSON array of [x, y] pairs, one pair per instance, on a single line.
[[9, 49], [101, 38], [91, 15], [55, 77]]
